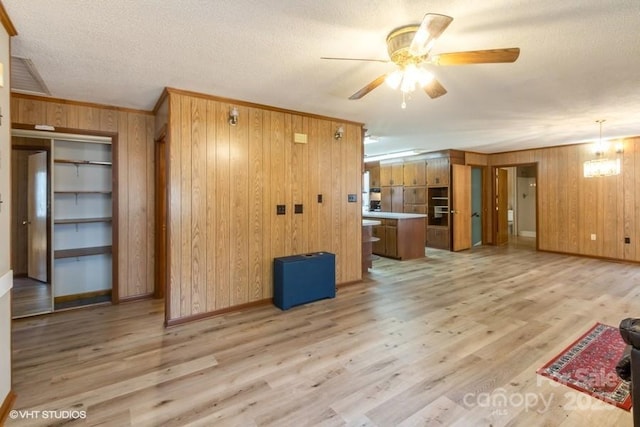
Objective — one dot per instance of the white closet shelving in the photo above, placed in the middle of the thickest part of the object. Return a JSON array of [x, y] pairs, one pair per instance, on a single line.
[[82, 225]]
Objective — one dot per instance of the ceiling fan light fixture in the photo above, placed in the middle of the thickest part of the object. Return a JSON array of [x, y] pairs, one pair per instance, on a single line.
[[424, 77], [393, 79]]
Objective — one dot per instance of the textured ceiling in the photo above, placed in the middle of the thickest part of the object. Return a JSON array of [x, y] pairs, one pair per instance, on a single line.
[[579, 62]]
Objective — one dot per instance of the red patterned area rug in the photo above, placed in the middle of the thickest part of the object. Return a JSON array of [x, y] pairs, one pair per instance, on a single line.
[[589, 365]]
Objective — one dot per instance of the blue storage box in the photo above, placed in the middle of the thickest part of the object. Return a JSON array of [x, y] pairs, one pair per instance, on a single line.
[[300, 279]]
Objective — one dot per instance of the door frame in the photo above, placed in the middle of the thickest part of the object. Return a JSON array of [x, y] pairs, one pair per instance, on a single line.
[[494, 193], [161, 217], [46, 149], [483, 204]]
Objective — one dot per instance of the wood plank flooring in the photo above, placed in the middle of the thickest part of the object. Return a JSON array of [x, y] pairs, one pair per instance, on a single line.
[[432, 342], [29, 297]]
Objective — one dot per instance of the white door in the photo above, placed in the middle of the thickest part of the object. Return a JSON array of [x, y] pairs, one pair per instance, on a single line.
[[37, 219]]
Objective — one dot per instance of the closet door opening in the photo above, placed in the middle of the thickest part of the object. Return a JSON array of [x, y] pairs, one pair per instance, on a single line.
[[65, 223]]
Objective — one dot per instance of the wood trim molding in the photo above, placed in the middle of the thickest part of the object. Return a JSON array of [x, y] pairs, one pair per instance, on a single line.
[[136, 298], [112, 135], [163, 96], [80, 103], [186, 319], [75, 297], [7, 404], [6, 22], [345, 284], [253, 105]]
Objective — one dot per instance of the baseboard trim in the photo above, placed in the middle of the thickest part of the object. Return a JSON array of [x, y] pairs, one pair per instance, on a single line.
[[345, 284], [527, 233], [200, 316], [136, 298], [259, 303], [7, 404], [84, 295]]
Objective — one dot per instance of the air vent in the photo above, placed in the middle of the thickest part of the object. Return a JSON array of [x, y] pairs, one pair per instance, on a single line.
[[25, 78]]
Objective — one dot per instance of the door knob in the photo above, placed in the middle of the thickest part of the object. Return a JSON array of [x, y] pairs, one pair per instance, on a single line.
[[26, 222]]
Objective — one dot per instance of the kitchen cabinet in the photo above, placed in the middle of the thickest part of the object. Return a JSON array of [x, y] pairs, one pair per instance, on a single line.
[[391, 239], [415, 195], [391, 199], [402, 236], [391, 174], [374, 176], [414, 173], [438, 171], [438, 237]]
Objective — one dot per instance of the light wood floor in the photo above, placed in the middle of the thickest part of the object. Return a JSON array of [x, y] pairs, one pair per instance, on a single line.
[[29, 297], [423, 342]]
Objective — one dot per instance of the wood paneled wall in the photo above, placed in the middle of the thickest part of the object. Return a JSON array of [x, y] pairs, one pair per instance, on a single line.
[[571, 207], [224, 184], [135, 132]]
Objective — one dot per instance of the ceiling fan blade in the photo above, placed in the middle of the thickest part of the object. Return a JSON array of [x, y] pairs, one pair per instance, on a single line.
[[355, 59], [434, 89], [477, 57], [430, 29], [368, 88]]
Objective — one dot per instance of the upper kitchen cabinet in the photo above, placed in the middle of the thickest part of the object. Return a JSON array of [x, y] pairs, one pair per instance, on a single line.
[[439, 166], [391, 174], [414, 173], [438, 171], [374, 175]]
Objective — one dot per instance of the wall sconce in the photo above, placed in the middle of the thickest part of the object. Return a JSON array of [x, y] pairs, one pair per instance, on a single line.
[[233, 116], [339, 133]]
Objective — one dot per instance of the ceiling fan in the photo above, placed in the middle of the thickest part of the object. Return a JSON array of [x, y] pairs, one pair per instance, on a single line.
[[410, 47]]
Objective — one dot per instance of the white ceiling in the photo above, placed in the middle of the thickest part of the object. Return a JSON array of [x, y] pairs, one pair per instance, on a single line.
[[579, 62]]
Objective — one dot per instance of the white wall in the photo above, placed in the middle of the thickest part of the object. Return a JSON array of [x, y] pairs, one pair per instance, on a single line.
[[526, 194], [5, 209]]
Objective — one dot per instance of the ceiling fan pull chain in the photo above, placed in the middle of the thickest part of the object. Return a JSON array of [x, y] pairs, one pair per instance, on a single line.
[[404, 103]]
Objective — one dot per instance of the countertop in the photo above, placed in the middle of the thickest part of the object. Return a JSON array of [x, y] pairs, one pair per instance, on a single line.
[[369, 222], [392, 215]]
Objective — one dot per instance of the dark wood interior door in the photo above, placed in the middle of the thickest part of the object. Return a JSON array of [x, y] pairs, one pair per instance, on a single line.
[[502, 197]]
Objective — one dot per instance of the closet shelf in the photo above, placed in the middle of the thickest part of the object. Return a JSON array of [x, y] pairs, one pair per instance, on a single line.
[[83, 162], [81, 220], [78, 252]]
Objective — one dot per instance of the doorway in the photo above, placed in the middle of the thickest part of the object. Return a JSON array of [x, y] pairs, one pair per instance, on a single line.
[[516, 205], [476, 206], [63, 197], [30, 230]]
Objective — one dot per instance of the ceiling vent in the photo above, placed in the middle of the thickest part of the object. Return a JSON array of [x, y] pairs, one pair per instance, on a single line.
[[25, 78]]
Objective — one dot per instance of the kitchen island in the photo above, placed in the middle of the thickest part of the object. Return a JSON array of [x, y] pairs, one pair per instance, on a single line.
[[368, 240], [402, 235]]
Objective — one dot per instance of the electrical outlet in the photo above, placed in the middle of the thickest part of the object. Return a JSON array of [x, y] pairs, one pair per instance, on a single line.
[[593, 237], [627, 240], [297, 209], [281, 209]]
